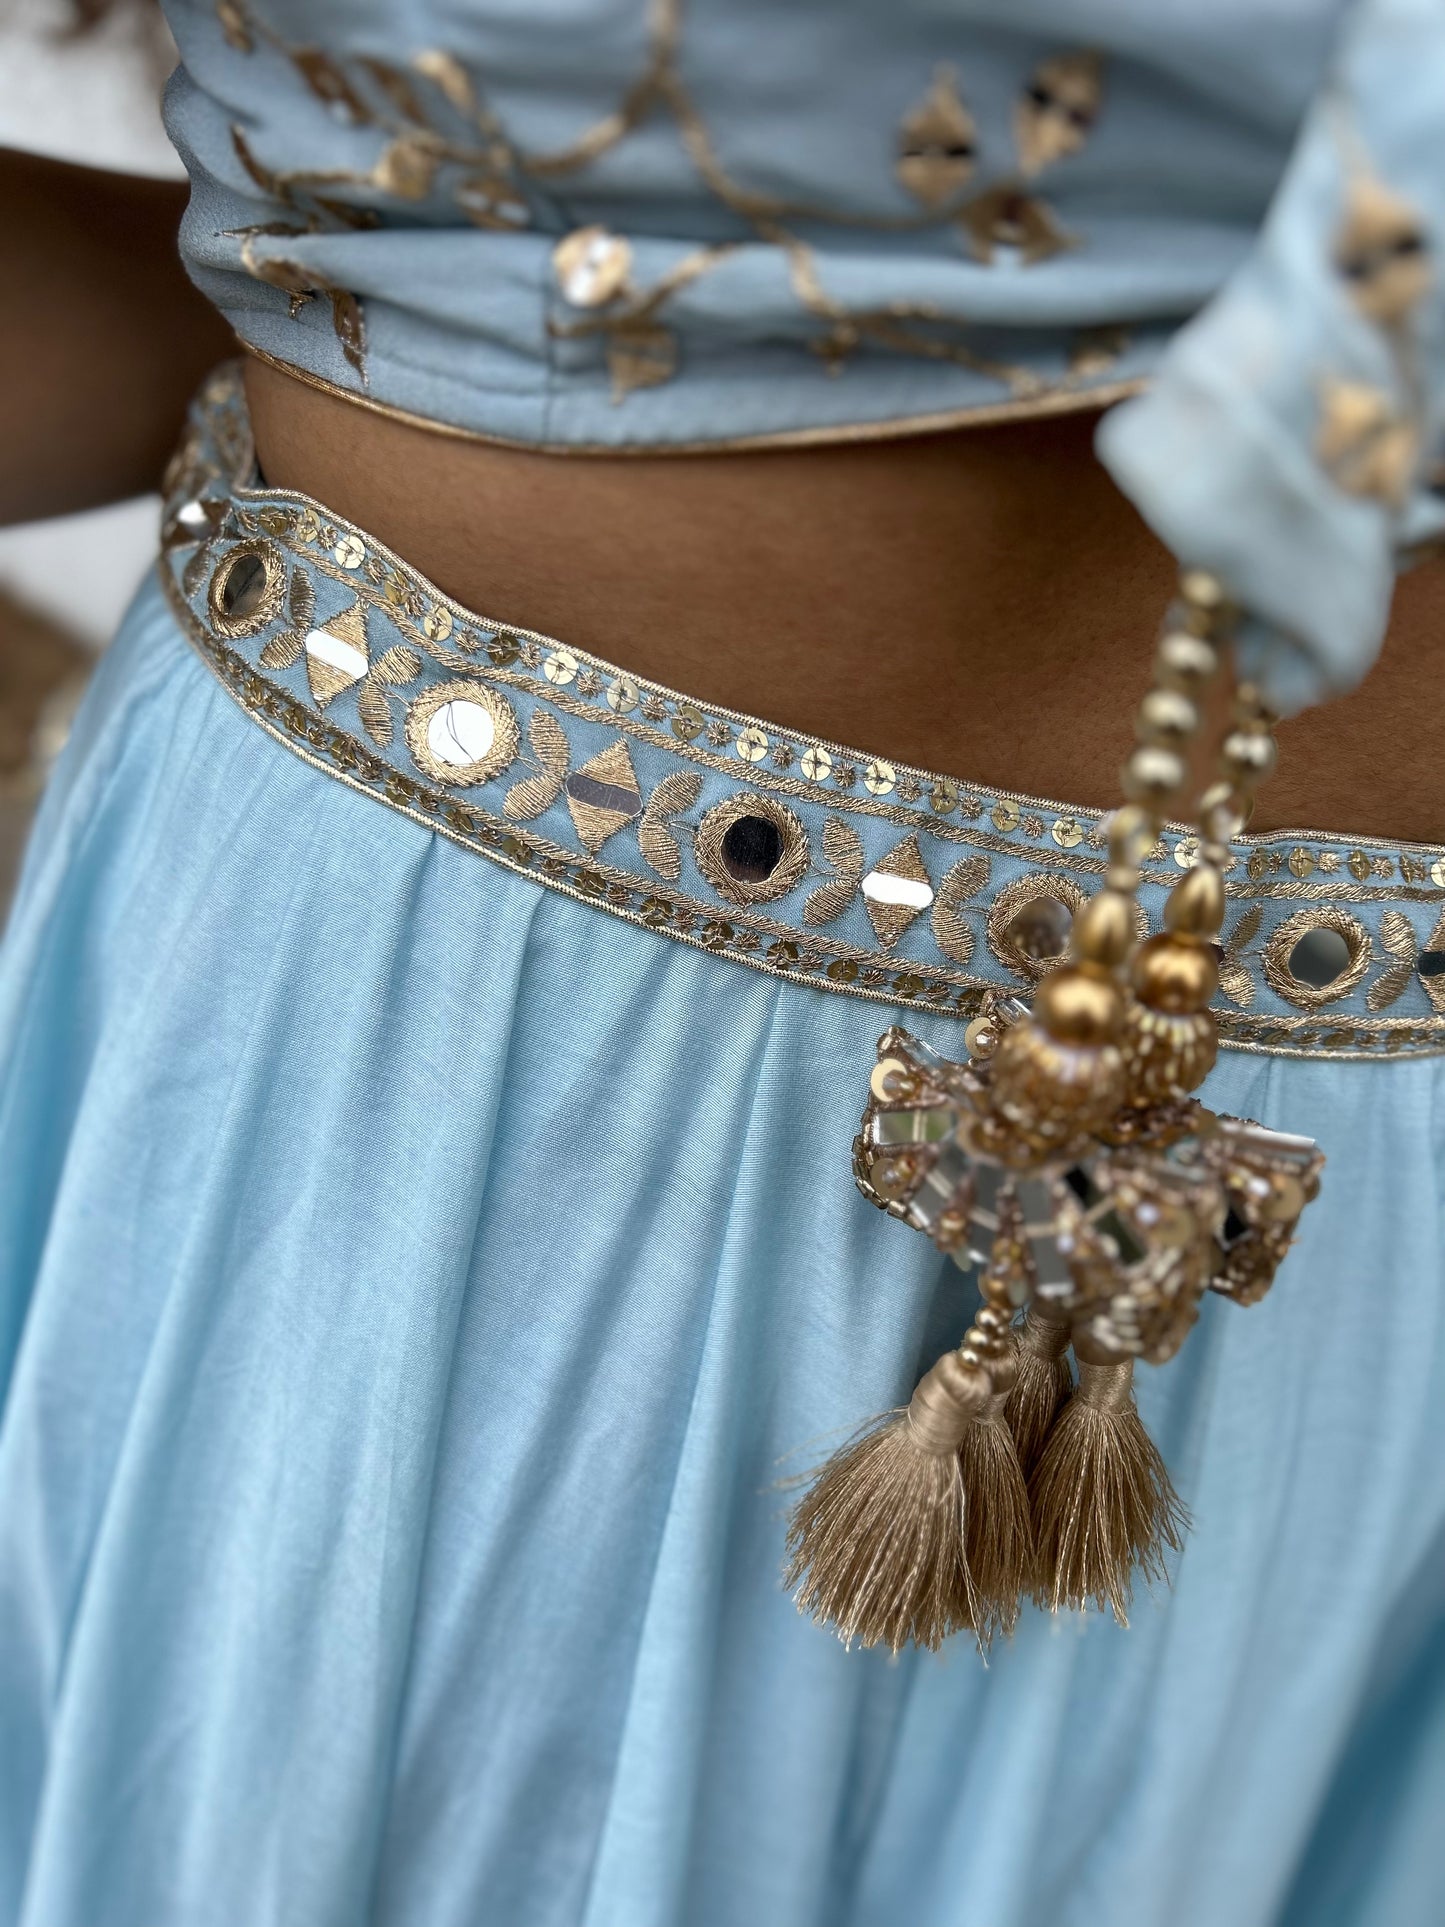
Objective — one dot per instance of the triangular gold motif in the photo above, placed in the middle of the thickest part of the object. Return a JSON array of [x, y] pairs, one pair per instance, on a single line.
[[890, 920], [595, 817], [329, 678]]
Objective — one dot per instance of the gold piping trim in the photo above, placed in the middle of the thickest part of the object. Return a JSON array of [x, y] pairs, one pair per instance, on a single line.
[[1070, 401]]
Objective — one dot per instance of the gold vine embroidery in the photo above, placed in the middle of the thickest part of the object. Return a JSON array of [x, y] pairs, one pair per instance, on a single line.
[[411, 106]]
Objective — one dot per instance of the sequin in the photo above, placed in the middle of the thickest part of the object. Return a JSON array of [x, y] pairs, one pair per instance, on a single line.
[[1006, 815], [350, 551], [560, 667], [896, 891], [879, 778], [1067, 832], [817, 764], [437, 624], [752, 745], [622, 695], [592, 265], [603, 795], [336, 655]]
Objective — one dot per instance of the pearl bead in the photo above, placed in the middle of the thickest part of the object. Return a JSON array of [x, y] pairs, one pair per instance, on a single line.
[[1166, 716], [1246, 757], [1153, 776], [1185, 662]]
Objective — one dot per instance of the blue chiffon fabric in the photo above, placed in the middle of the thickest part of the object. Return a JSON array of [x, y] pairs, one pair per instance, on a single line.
[[412, 1283]]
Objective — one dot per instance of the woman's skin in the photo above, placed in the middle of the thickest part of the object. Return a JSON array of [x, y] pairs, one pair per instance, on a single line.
[[982, 602]]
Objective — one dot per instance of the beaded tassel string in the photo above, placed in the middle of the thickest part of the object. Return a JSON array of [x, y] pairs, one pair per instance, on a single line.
[[1005, 1475]]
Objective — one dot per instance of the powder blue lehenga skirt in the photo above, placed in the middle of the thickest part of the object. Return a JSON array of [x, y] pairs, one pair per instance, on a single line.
[[412, 1275]]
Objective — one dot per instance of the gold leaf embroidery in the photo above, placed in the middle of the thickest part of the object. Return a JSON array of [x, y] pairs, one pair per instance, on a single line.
[[350, 325], [1389, 985], [407, 167], [1397, 934], [534, 794], [843, 848], [1247, 929], [396, 85], [1236, 983], [1381, 253], [1057, 110], [328, 82], [640, 354], [1363, 444], [655, 838], [937, 144], [951, 931], [375, 714], [1435, 986], [1006, 217], [281, 651], [450, 77], [235, 26], [397, 666]]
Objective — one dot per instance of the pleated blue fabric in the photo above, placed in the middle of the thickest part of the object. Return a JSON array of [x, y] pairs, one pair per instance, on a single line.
[[414, 1284]]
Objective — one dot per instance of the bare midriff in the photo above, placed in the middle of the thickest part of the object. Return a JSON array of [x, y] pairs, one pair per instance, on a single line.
[[982, 603]]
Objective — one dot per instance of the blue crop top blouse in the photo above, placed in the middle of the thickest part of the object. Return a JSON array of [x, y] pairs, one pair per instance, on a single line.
[[652, 225]]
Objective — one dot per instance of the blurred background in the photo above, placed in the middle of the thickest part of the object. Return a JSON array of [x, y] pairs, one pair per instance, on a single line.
[[92, 98]]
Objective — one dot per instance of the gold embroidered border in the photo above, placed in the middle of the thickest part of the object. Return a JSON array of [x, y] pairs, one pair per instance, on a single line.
[[747, 938], [1010, 807]]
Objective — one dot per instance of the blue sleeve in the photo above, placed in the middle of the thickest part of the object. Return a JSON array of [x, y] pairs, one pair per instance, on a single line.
[[1289, 439]]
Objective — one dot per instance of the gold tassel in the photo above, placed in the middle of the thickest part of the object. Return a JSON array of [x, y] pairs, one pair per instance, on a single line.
[[876, 1544], [1103, 1504], [998, 1533], [1043, 1385]]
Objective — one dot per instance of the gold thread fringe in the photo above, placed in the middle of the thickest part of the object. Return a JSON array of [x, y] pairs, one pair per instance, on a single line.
[[998, 1531], [1043, 1386], [876, 1544], [1103, 1504]]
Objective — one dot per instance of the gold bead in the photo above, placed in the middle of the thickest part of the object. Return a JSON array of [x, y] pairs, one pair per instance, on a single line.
[[1130, 834], [1185, 662], [1246, 757], [1206, 598], [1175, 973], [1167, 1053], [1223, 812], [992, 1318], [1122, 877], [1050, 1088], [1196, 903], [1153, 776], [1167, 717], [1077, 1007], [1104, 929]]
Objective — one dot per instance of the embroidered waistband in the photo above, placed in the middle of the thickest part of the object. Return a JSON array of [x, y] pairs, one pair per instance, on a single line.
[[776, 849]]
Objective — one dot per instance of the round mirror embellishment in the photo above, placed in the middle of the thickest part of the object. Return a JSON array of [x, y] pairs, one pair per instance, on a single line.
[[1317, 956], [247, 589], [462, 733], [752, 849]]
